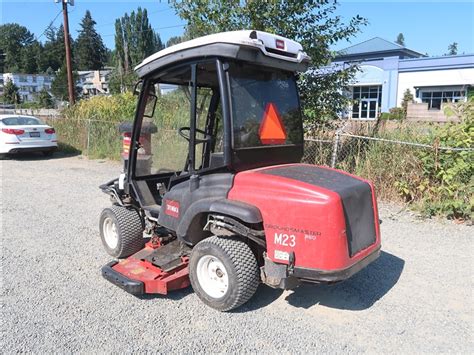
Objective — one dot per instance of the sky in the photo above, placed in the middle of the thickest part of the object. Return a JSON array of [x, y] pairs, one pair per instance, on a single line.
[[429, 26]]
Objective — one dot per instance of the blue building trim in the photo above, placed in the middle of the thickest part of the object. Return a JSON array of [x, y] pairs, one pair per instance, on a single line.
[[383, 64]]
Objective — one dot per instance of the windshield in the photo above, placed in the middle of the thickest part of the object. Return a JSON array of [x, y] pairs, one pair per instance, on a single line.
[[265, 107], [21, 121]]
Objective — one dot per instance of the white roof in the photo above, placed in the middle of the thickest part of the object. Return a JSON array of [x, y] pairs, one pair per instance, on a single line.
[[263, 41]]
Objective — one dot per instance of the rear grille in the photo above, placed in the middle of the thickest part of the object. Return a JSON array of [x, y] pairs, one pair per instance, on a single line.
[[356, 197]]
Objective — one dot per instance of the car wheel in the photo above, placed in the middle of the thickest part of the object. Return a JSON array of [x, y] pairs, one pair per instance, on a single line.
[[223, 272], [121, 231]]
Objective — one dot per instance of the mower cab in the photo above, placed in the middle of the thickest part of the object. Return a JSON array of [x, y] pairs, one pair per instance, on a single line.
[[217, 198]]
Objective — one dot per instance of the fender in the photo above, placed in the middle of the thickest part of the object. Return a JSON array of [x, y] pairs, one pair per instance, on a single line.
[[190, 227]]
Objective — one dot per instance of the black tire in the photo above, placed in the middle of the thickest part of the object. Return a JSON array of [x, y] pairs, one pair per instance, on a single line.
[[240, 264], [129, 231], [48, 153]]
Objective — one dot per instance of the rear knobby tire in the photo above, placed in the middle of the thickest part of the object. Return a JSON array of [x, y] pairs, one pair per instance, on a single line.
[[240, 269], [121, 231]]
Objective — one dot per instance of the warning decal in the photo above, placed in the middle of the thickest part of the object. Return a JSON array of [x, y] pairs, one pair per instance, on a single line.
[[272, 130]]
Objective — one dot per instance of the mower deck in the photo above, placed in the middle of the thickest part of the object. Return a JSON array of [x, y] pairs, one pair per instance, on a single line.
[[154, 269]]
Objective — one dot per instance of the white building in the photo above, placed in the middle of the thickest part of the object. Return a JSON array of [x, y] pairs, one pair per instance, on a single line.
[[387, 70], [29, 84], [94, 82]]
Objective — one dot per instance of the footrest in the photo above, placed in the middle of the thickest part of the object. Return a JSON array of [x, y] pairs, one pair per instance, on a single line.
[[134, 287]]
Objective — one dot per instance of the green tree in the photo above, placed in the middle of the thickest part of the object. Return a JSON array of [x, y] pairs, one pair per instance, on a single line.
[[44, 99], [453, 49], [13, 39], [59, 86], [174, 40], [135, 40], [407, 98], [11, 94], [312, 23], [54, 51], [400, 39], [31, 58], [90, 51]]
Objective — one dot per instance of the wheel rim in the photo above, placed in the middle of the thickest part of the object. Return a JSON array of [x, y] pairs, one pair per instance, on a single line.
[[212, 276], [110, 233]]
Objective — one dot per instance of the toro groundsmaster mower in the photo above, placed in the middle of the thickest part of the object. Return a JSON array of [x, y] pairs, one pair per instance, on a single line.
[[229, 205]]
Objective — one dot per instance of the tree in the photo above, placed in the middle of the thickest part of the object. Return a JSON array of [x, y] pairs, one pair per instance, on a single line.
[[135, 40], [174, 40], [11, 94], [453, 49], [59, 86], [312, 23], [44, 99], [407, 98], [54, 51], [400, 39], [13, 39], [90, 51], [31, 57]]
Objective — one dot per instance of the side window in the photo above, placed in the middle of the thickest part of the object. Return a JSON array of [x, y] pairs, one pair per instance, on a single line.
[[167, 110], [202, 111], [208, 115], [162, 148]]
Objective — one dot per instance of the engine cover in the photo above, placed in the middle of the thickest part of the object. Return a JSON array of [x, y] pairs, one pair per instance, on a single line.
[[324, 218]]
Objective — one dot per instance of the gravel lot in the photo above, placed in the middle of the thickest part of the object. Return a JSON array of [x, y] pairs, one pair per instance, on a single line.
[[417, 297]]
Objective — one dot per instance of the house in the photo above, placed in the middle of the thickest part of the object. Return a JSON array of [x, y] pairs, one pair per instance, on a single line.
[[29, 85], [94, 82], [388, 69]]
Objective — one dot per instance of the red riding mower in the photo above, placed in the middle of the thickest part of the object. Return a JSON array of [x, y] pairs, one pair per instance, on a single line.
[[229, 205]]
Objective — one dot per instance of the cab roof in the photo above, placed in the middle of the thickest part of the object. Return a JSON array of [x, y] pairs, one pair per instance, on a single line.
[[248, 45]]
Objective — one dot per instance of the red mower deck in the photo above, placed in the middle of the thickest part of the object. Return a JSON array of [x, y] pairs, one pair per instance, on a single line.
[[140, 273]]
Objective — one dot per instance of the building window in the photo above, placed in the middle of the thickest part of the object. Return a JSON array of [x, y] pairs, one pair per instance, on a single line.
[[434, 99], [367, 102]]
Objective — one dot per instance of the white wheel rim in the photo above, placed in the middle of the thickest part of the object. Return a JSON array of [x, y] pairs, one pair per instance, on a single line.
[[110, 233], [212, 276]]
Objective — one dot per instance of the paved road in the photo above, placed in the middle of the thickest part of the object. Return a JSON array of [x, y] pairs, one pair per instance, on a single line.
[[416, 298]]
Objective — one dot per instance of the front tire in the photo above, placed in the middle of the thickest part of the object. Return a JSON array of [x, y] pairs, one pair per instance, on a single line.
[[121, 231], [223, 272]]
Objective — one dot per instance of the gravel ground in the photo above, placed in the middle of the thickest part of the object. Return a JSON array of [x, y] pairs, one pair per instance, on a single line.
[[417, 297]]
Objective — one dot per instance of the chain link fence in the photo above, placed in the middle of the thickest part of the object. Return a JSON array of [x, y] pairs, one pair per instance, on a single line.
[[329, 146]]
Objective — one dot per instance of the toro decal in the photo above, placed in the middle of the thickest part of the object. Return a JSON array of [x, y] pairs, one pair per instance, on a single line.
[[172, 208]]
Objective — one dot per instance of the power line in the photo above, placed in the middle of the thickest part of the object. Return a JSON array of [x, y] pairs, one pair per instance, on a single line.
[[50, 24]]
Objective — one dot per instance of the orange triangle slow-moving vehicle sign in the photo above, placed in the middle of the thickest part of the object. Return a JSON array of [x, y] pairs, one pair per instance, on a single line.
[[272, 130]]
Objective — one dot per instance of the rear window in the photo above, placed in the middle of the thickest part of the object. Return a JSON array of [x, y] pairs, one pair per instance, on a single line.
[[21, 121], [265, 107]]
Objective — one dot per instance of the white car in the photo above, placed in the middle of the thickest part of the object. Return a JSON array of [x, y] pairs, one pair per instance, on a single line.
[[20, 133]]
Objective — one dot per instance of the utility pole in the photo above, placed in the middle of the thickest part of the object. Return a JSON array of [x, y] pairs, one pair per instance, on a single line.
[[67, 43]]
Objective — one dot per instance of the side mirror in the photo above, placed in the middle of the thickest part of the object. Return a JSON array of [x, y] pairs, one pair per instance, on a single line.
[[150, 105], [137, 88]]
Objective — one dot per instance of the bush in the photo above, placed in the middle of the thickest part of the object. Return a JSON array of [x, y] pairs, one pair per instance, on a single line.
[[395, 113], [91, 125], [435, 181], [449, 173]]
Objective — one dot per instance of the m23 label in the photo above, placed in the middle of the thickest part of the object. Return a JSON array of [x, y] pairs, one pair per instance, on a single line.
[[287, 240]]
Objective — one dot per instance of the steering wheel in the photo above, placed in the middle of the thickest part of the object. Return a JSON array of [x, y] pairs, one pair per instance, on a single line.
[[206, 138]]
